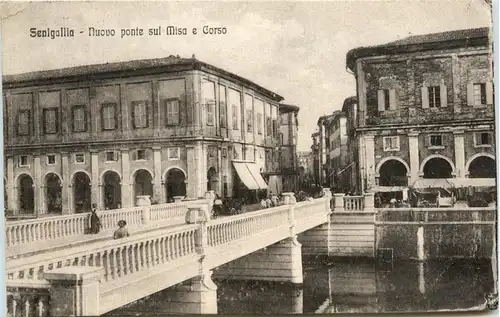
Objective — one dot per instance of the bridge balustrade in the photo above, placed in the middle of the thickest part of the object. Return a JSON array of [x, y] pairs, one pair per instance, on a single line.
[[27, 231], [33, 301], [354, 203]]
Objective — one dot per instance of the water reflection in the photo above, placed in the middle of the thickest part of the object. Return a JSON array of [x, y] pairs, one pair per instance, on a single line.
[[351, 287]]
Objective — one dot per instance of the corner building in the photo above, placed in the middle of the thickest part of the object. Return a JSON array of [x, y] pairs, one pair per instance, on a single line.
[[425, 109], [108, 133]]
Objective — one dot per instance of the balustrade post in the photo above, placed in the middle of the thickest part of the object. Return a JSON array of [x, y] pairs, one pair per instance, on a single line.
[[210, 197], [74, 290], [178, 199], [327, 194], [369, 201], [289, 199], [339, 202]]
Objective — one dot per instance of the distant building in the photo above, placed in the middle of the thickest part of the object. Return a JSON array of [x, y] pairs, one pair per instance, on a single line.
[[425, 110], [315, 154], [337, 152], [289, 125], [306, 169], [350, 173], [323, 150], [108, 133]]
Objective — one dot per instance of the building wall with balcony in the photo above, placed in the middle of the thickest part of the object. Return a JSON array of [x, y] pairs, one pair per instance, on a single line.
[[107, 137]]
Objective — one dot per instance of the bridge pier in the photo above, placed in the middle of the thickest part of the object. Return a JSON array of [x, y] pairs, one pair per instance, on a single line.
[[196, 296], [280, 262]]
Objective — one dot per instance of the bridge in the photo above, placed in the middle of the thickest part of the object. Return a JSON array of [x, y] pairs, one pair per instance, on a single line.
[[97, 277], [175, 248]]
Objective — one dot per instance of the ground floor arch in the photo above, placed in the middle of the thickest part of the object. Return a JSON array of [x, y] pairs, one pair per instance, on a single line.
[[482, 167], [175, 184], [393, 172], [143, 183], [437, 167], [53, 193], [112, 191], [82, 192], [26, 194]]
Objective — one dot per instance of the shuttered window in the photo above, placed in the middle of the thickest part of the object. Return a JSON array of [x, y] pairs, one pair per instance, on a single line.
[[435, 140], [172, 111], [249, 121], [391, 143], [23, 122], [480, 94], [79, 119], [387, 99], [434, 94], [222, 107], [50, 120], [259, 123], [108, 116], [140, 114]]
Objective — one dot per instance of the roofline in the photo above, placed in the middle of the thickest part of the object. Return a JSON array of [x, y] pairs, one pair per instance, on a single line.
[[288, 108], [394, 49], [349, 101], [47, 77]]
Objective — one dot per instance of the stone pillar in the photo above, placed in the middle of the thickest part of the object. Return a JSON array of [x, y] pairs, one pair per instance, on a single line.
[[369, 201], [196, 296], [95, 189], [339, 202], [459, 154], [127, 195], [39, 186], [157, 183], [12, 195], [210, 196], [191, 168], [74, 290], [370, 160], [67, 201], [288, 198], [414, 157], [178, 199]]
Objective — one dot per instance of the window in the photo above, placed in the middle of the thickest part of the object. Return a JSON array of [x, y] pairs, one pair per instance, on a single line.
[[269, 126], [391, 143], [140, 114], [172, 111], [275, 128], [434, 97], [235, 117], [111, 156], [50, 121], [79, 119], [281, 138], [249, 121], [224, 152], [482, 139], [485, 138], [479, 92], [108, 119], [141, 155], [210, 112], [436, 140], [222, 106], [23, 160], [80, 158], [51, 159], [23, 122], [259, 123], [174, 153], [387, 99]]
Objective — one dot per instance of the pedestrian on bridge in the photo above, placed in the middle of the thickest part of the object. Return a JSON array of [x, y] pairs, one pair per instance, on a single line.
[[95, 221], [122, 230]]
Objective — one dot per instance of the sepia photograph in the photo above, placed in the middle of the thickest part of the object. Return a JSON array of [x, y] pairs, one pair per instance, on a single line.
[[248, 157]]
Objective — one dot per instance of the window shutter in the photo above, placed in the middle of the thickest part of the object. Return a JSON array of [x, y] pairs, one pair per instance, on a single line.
[[56, 119], [393, 100], [427, 140], [443, 95], [115, 155], [44, 123], [381, 100], [384, 142], [134, 119], [477, 138], [397, 142], [425, 97], [181, 112], [470, 94], [489, 93]]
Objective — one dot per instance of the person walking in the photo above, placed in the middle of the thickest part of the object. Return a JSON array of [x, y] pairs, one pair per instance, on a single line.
[[122, 230], [95, 221], [217, 206]]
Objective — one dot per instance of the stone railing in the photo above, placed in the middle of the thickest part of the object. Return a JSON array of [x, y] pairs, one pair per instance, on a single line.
[[446, 215], [32, 301], [363, 203], [41, 229]]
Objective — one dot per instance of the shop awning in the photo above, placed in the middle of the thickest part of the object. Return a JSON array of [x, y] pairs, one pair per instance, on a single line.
[[387, 189], [255, 171], [474, 182], [246, 175], [434, 183]]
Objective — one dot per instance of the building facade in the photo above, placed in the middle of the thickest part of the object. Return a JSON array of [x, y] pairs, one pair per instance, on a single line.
[[337, 151], [350, 172], [108, 133], [289, 167], [315, 154], [425, 109], [306, 169]]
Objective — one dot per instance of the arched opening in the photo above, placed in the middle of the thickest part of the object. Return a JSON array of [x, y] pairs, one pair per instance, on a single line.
[[143, 184], [437, 168], [212, 179], [81, 192], [112, 190], [482, 167], [393, 173], [175, 184], [26, 194], [53, 194]]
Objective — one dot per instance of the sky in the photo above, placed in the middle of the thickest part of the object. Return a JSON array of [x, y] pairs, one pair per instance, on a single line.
[[296, 49]]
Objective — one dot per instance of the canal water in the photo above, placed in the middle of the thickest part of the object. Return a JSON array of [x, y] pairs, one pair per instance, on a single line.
[[351, 287]]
